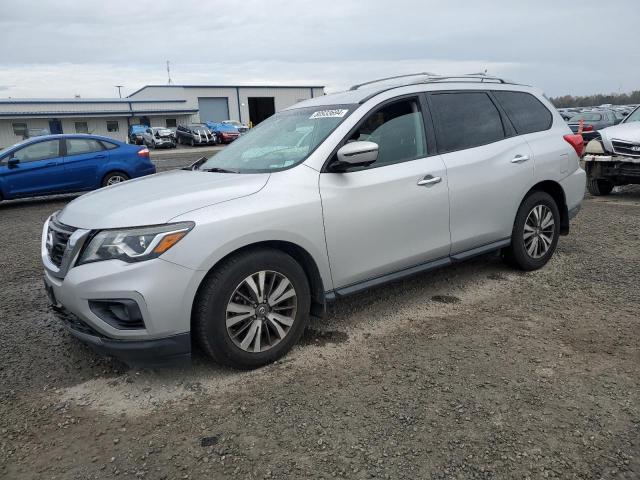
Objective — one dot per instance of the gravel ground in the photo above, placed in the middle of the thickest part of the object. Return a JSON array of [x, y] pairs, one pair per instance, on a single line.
[[476, 371]]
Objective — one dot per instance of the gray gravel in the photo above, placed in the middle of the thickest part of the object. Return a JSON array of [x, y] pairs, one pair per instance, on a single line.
[[476, 371]]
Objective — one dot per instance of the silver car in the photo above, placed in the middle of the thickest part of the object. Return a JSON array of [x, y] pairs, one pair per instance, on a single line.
[[158, 137], [333, 196]]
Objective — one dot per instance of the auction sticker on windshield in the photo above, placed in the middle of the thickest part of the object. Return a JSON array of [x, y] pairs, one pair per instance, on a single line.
[[329, 114]]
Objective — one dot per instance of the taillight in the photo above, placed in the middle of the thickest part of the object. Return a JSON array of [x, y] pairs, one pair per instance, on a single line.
[[588, 128], [577, 142], [143, 152]]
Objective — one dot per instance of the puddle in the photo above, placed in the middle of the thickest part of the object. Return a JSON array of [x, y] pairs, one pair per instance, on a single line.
[[322, 337], [445, 299]]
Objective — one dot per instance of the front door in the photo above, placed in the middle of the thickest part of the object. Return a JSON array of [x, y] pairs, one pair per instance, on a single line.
[[384, 218], [36, 169], [55, 126]]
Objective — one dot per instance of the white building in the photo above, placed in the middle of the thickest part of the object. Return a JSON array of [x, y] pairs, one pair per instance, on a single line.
[[154, 105]]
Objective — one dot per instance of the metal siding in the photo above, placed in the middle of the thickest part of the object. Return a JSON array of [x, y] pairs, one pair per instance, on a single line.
[[214, 109]]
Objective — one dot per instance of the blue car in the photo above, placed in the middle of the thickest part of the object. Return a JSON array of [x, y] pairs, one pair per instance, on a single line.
[[69, 163]]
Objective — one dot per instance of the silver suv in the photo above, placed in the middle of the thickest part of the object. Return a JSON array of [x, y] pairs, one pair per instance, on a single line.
[[333, 196]]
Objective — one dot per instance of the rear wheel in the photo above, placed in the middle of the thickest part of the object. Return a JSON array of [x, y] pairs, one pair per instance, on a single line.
[[114, 178], [252, 308], [599, 187], [535, 232]]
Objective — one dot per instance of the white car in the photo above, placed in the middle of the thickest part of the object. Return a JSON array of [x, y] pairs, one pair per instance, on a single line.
[[159, 137], [333, 196]]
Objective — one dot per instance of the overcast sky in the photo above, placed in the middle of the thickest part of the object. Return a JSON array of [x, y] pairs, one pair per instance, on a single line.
[[60, 48]]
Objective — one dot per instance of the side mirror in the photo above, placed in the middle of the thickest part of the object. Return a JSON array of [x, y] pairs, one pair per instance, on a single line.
[[13, 162], [355, 154]]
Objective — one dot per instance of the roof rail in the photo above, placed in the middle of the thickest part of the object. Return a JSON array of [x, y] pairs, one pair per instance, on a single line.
[[480, 77], [355, 87]]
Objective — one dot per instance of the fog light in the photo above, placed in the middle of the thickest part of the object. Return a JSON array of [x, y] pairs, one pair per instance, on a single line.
[[120, 313]]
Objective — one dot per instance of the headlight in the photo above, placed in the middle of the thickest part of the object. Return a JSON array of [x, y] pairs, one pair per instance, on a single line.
[[134, 244]]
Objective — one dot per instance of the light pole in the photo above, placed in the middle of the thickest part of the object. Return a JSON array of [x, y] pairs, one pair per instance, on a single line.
[[119, 92]]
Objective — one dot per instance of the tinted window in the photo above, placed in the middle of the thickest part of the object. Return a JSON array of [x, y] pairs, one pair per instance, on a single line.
[[113, 126], [526, 112], [397, 129], [108, 145], [465, 120], [170, 122], [38, 151], [78, 146], [81, 127]]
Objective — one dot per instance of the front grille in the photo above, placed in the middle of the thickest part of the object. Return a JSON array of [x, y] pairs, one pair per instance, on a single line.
[[626, 148], [57, 240]]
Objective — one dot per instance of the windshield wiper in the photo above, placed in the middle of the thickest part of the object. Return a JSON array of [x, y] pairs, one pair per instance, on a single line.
[[218, 170]]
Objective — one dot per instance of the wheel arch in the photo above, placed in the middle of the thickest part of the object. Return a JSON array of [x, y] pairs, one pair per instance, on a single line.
[[557, 193], [299, 254]]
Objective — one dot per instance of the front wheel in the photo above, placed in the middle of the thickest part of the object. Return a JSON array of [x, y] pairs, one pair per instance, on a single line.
[[252, 309], [192, 143], [535, 232], [599, 187]]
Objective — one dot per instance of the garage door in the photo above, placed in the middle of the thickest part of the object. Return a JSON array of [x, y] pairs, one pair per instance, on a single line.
[[213, 109]]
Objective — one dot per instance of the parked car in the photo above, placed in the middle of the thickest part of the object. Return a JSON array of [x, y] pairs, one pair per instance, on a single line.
[[225, 132], [195, 134], [241, 127], [69, 163], [135, 134], [613, 158], [158, 137], [593, 121], [332, 196]]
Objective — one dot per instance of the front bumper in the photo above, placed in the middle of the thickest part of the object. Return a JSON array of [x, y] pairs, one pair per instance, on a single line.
[[135, 353]]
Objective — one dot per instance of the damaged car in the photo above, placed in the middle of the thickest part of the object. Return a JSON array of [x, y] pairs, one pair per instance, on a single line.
[[613, 158]]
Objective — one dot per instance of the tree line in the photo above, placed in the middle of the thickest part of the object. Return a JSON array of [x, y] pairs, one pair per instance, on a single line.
[[595, 100]]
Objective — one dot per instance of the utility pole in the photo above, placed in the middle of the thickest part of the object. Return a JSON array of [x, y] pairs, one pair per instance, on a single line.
[[119, 92], [168, 73]]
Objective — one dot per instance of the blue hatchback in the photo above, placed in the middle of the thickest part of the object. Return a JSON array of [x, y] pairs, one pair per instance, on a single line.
[[69, 163]]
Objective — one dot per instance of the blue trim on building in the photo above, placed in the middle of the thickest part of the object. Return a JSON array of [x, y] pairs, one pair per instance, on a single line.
[[238, 99], [116, 113], [80, 101]]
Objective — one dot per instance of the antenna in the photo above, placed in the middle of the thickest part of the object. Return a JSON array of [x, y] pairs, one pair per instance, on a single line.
[[168, 73], [119, 92]]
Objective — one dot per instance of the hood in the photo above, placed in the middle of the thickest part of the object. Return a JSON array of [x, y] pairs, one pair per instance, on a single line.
[[156, 199], [629, 132]]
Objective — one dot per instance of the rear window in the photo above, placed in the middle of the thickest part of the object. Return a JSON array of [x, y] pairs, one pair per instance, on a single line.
[[587, 117], [526, 112], [465, 120]]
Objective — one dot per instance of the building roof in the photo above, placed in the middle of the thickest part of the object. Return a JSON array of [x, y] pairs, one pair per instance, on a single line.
[[223, 86], [45, 101]]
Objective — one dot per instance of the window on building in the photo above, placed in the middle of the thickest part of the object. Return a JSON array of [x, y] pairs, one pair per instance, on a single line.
[[525, 111], [20, 129], [82, 127], [78, 146], [113, 126], [465, 120], [170, 123], [398, 130]]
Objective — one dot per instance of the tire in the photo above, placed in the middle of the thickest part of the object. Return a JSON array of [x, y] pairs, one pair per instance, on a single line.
[[222, 285], [599, 187], [533, 253], [111, 178]]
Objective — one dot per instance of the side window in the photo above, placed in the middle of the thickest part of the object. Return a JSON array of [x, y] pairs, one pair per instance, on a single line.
[[398, 130], [526, 112], [170, 122], [108, 145], [465, 120], [38, 151], [19, 129], [78, 146], [113, 126], [82, 127]]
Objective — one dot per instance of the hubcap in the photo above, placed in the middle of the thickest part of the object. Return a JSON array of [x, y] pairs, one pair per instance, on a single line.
[[261, 311], [538, 231], [115, 179]]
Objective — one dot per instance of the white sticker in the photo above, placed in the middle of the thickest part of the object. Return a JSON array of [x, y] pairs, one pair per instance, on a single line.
[[329, 114]]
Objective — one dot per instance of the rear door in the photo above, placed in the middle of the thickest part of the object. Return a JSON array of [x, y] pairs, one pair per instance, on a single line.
[[489, 168], [39, 170], [83, 161]]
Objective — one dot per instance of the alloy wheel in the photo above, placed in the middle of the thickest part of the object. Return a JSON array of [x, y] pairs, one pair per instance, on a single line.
[[539, 229], [261, 311], [115, 179]]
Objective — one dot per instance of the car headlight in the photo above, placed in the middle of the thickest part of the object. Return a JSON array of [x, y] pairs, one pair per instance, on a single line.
[[134, 244]]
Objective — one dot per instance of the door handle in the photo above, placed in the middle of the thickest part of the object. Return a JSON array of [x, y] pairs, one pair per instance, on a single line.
[[99, 156], [429, 180], [520, 158]]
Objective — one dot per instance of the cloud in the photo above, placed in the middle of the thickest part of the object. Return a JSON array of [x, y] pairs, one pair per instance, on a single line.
[[87, 47]]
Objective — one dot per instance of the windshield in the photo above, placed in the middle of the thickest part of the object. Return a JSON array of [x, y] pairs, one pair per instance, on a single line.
[[587, 117], [633, 116], [283, 140]]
